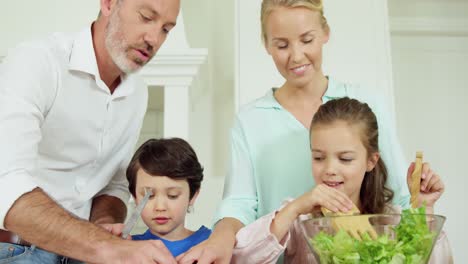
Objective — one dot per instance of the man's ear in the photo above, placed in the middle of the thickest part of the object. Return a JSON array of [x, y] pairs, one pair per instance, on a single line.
[[372, 161], [106, 6]]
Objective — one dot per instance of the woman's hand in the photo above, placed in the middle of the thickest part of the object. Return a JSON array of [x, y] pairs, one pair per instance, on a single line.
[[432, 186]]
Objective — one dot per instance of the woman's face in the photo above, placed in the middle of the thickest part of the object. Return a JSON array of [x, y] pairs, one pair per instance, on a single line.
[[294, 39]]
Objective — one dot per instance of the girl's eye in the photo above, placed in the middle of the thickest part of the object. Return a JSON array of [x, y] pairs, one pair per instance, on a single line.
[[317, 158], [173, 197], [308, 41], [346, 159], [282, 46]]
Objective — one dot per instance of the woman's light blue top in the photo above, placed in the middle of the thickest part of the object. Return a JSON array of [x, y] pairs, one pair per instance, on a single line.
[[271, 157]]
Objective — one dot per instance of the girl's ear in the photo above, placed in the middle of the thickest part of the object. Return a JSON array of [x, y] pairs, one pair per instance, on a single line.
[[372, 161]]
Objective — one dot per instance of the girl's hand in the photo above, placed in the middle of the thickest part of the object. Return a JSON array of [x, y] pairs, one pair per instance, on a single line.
[[432, 185], [322, 196]]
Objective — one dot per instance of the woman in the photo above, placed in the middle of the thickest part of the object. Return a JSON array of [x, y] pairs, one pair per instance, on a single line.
[[270, 160]]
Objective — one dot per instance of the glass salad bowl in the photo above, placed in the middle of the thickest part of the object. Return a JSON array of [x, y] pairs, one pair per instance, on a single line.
[[401, 238]]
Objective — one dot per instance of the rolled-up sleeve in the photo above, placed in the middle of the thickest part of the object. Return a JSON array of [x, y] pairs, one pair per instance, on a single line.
[[256, 243], [240, 195], [25, 92]]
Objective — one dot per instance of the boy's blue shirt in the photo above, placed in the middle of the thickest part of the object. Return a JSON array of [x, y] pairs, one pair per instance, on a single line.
[[180, 246]]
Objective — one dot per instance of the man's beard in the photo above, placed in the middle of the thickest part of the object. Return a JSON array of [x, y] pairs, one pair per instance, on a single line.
[[117, 46]]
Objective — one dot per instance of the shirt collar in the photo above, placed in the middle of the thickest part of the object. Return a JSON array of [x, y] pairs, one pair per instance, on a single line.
[[83, 58], [334, 90]]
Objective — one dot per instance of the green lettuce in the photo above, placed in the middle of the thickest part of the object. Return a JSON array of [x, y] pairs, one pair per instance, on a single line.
[[412, 245]]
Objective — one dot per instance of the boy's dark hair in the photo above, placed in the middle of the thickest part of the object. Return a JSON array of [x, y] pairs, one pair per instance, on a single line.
[[374, 193], [172, 157]]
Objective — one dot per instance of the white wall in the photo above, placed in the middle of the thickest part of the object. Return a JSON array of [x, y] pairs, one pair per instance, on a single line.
[[430, 55], [22, 20]]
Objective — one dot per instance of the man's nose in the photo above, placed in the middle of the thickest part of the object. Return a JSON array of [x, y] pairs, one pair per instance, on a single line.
[[153, 39]]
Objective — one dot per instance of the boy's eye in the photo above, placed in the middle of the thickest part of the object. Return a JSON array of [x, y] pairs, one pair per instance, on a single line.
[[346, 159], [318, 158], [173, 197], [308, 40]]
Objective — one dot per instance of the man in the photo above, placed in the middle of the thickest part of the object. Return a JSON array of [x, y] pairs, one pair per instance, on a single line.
[[70, 115]]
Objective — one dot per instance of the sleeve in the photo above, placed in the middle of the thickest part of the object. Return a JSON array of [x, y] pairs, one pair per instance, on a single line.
[[390, 150], [27, 90], [240, 195], [118, 186], [442, 253], [298, 250], [256, 244]]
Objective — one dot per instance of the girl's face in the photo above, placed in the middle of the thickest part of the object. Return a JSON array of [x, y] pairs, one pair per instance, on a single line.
[[164, 214], [339, 158], [294, 39]]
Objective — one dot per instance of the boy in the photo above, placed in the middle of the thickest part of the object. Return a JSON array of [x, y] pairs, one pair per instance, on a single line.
[[170, 168]]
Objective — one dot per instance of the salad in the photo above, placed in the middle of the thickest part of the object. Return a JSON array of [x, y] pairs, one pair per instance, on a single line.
[[413, 243]]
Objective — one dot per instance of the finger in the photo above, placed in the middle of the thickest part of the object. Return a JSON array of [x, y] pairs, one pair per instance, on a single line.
[[426, 169], [207, 258], [435, 184], [189, 257], [428, 176], [339, 199], [160, 246], [161, 256]]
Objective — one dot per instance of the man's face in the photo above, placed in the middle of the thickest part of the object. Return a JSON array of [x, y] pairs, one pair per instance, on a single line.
[[137, 29]]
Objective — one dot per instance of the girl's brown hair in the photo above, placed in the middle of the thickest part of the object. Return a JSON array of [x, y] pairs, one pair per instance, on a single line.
[[374, 193]]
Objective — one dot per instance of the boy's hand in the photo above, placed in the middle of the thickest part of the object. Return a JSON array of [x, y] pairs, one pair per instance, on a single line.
[[432, 186]]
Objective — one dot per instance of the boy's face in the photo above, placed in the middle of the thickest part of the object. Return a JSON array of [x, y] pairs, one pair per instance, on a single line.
[[339, 158], [164, 214]]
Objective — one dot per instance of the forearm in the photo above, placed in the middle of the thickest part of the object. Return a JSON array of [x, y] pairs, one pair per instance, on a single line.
[[283, 220], [108, 210], [226, 230], [37, 219]]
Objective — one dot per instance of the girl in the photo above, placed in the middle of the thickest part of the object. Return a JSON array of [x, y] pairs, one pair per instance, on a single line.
[[346, 163]]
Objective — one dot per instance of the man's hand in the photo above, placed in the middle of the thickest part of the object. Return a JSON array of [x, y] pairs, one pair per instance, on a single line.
[[207, 252], [115, 229], [123, 251], [216, 249]]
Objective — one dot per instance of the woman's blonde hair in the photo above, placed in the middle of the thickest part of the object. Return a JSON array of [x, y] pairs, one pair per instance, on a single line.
[[269, 5]]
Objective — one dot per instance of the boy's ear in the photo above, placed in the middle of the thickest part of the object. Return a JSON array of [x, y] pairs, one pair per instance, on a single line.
[[372, 161], [194, 198]]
